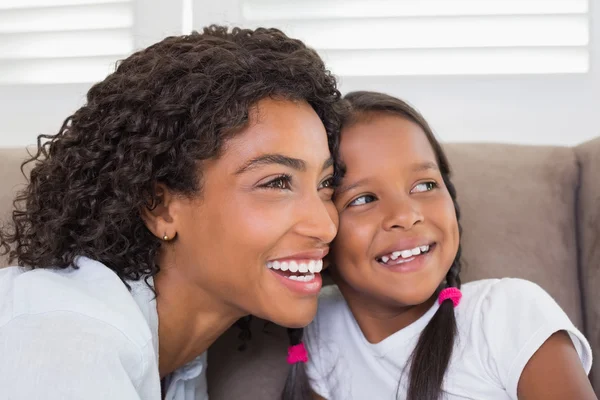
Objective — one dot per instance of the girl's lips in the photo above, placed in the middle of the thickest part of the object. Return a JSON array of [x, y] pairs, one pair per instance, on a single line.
[[409, 264], [390, 256]]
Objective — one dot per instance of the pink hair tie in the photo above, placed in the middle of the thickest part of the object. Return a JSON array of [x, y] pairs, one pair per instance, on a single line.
[[297, 353], [451, 293]]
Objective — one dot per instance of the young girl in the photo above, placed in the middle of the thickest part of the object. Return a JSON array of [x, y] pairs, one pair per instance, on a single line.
[[399, 325]]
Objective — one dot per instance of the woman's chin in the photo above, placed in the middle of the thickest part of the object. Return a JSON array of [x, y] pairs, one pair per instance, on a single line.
[[294, 316]]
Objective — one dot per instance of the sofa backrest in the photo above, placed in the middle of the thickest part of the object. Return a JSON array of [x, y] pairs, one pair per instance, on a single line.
[[519, 215], [588, 156], [11, 180]]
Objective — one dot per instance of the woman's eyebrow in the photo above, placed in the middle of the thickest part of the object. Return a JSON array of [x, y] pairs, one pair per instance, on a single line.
[[268, 159]]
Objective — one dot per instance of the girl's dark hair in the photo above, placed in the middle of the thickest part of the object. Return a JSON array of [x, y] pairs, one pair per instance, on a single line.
[[164, 109], [432, 354]]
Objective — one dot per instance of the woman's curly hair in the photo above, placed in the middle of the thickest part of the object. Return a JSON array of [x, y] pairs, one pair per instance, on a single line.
[[163, 109]]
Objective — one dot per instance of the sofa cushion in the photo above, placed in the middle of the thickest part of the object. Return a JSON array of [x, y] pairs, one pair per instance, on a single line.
[[259, 372], [518, 216], [11, 180], [588, 155]]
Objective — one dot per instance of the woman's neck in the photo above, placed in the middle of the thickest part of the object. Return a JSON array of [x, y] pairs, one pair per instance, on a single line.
[[189, 319]]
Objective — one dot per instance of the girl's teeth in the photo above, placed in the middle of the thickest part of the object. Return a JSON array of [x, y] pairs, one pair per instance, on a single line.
[[284, 266], [302, 267], [406, 253]]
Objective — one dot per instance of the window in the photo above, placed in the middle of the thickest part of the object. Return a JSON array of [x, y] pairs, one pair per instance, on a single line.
[[427, 37], [63, 41], [523, 71]]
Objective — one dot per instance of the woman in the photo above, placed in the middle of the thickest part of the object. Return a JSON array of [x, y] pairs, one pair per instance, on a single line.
[[154, 219]]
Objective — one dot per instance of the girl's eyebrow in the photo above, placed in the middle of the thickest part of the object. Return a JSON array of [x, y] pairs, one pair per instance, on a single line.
[[345, 188], [424, 166], [417, 167]]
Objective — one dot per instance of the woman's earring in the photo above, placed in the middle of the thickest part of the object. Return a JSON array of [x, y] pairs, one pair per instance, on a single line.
[[165, 238]]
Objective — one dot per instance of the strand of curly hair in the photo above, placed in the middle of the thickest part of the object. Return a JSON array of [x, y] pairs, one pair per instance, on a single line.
[[162, 111]]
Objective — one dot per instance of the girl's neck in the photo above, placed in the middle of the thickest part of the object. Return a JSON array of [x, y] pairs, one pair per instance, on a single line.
[[189, 319], [377, 320]]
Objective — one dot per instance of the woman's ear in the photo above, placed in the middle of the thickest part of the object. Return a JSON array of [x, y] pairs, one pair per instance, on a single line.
[[158, 214]]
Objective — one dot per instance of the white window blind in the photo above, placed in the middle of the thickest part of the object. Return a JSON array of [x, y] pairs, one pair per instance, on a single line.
[[431, 37], [63, 41]]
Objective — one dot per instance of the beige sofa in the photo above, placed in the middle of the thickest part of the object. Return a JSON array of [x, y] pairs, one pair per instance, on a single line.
[[528, 211]]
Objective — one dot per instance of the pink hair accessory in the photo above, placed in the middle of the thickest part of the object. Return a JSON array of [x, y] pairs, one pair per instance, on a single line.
[[451, 293], [297, 353]]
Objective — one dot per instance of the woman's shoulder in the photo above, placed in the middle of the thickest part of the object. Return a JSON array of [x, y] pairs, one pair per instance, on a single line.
[[58, 329], [90, 292]]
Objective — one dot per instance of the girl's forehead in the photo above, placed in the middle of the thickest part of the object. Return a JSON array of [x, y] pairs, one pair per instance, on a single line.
[[386, 141]]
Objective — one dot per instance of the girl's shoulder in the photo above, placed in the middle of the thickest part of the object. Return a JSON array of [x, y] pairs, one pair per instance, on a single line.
[[503, 322], [508, 303], [506, 293]]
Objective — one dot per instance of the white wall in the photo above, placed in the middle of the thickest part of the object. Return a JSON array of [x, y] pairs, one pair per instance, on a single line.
[[29, 110], [542, 109], [554, 110]]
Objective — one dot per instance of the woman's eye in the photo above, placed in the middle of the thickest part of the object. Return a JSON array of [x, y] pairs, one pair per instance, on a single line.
[[327, 183], [282, 182], [424, 187], [359, 201]]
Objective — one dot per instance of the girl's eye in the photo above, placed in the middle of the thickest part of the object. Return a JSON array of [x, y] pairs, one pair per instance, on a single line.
[[359, 201], [327, 183], [282, 182], [424, 187]]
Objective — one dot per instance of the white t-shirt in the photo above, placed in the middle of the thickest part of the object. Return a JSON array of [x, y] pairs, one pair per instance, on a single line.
[[501, 324], [80, 334]]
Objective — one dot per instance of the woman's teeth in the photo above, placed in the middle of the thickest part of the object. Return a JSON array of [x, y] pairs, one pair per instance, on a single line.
[[404, 253], [312, 266], [302, 278]]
